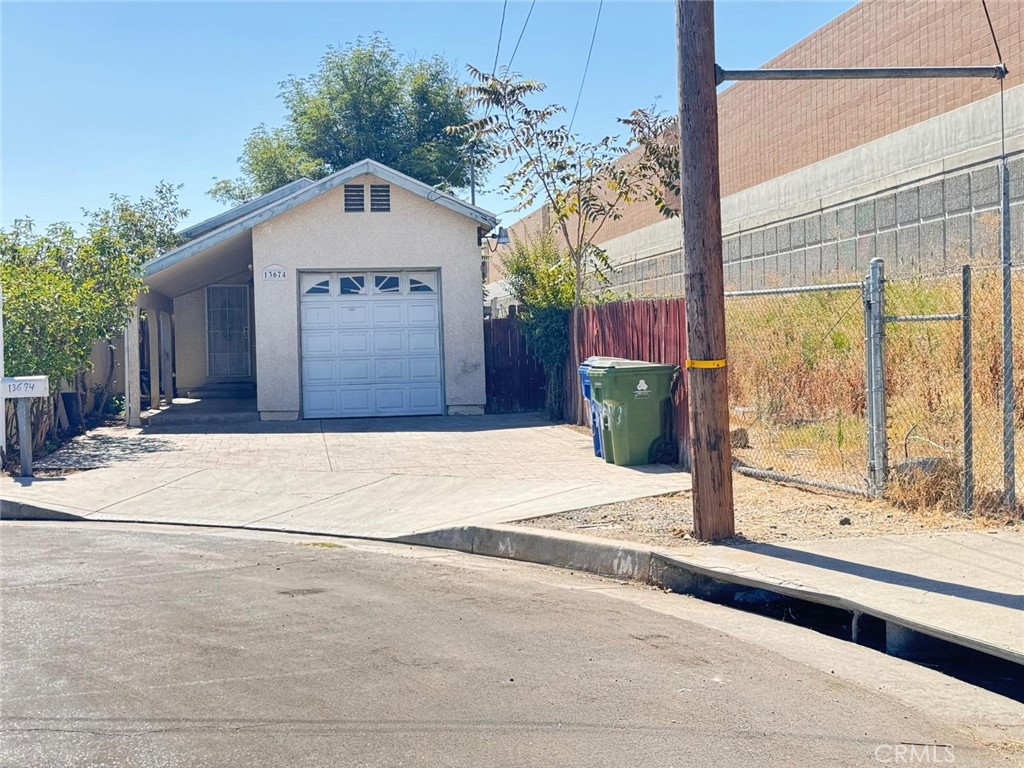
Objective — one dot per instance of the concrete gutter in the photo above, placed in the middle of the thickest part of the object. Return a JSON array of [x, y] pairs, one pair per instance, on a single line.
[[904, 636]]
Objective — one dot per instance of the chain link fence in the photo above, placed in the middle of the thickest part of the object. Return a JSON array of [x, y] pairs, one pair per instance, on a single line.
[[998, 461], [924, 357], [1017, 293], [802, 403], [797, 384]]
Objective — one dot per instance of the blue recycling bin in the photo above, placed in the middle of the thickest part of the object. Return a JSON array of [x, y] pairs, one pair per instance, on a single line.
[[595, 406]]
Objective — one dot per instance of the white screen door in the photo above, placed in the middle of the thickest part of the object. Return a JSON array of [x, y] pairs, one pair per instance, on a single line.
[[227, 328]]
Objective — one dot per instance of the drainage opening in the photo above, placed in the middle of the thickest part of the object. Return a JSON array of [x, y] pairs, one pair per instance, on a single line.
[[966, 664]]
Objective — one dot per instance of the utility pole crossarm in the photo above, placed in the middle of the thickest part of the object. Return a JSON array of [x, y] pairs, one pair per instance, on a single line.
[[998, 72]]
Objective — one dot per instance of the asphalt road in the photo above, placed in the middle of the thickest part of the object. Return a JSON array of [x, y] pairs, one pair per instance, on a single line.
[[128, 647]]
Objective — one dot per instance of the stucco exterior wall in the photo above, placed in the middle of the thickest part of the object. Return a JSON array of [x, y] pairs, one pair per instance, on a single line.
[[320, 236], [99, 362], [190, 340], [190, 363]]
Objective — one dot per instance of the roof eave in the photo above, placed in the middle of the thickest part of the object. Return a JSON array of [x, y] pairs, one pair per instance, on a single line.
[[276, 208]]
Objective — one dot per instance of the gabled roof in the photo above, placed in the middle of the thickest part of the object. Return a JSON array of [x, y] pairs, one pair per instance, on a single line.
[[215, 222], [243, 218]]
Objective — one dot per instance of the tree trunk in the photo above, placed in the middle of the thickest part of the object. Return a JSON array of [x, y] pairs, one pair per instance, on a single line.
[[101, 399], [582, 417]]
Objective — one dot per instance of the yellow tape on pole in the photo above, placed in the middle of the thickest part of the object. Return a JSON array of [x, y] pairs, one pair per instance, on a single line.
[[705, 363]]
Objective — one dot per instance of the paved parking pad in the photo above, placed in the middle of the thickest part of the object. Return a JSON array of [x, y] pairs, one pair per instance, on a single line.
[[359, 477]]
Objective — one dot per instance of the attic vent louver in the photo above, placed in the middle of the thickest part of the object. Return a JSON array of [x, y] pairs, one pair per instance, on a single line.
[[380, 198], [355, 198]]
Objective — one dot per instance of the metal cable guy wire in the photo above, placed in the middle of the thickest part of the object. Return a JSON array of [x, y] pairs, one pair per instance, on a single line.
[[586, 67]]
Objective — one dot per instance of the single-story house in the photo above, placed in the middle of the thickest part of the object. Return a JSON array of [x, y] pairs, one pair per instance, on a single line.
[[356, 295]]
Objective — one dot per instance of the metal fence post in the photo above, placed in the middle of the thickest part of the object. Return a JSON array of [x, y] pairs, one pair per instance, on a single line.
[[968, 384], [1009, 469], [869, 384], [876, 301]]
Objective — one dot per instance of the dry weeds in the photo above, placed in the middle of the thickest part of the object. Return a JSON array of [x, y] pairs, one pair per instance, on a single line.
[[764, 512]]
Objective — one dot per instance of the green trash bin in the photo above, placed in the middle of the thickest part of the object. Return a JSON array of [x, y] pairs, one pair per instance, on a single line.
[[636, 409]]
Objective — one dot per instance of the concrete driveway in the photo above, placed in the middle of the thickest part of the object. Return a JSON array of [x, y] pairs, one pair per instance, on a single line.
[[377, 478]]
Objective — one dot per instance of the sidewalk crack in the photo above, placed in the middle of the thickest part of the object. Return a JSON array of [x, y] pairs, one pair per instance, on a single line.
[[148, 490], [317, 501]]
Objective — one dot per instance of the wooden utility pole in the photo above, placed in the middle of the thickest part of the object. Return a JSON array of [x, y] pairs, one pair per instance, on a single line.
[[702, 248]]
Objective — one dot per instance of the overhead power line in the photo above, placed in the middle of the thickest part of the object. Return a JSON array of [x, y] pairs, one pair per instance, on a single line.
[[586, 67], [494, 67], [501, 31], [522, 32]]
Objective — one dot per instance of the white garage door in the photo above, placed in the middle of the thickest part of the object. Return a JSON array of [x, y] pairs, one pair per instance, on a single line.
[[371, 344]]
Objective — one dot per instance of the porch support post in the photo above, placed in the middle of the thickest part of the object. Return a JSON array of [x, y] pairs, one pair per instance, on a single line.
[[167, 357], [155, 363], [132, 398]]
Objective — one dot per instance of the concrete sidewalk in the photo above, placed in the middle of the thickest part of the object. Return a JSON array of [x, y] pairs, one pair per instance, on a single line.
[[374, 478], [967, 588]]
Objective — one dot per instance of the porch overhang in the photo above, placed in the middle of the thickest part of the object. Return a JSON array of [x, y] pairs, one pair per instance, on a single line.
[[203, 266]]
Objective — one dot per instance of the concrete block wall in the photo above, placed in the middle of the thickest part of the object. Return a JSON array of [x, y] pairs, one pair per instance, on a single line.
[[926, 228], [926, 199], [770, 129], [930, 227]]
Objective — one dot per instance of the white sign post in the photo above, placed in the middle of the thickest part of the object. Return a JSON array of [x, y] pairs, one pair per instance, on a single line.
[[3, 401], [23, 389]]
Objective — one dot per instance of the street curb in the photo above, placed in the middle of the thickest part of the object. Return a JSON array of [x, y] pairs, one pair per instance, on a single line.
[[613, 559], [629, 563], [561, 550], [21, 510]]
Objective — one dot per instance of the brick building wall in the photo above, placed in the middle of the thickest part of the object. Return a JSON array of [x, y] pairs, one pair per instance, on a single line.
[[768, 129], [771, 128]]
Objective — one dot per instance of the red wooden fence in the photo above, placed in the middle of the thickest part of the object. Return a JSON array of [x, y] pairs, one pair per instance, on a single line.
[[654, 331], [515, 380]]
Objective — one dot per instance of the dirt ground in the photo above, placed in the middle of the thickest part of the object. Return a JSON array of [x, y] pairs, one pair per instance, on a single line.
[[765, 511]]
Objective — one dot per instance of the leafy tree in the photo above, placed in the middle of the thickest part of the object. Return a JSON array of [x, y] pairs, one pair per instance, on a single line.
[[49, 321], [656, 135], [119, 240], [364, 101], [583, 184], [64, 291], [542, 279]]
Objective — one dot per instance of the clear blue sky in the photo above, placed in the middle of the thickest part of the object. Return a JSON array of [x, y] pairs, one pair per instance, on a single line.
[[102, 98]]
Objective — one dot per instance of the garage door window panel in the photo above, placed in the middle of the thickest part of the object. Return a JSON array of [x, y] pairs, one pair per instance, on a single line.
[[423, 282], [316, 285], [386, 284], [352, 285]]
